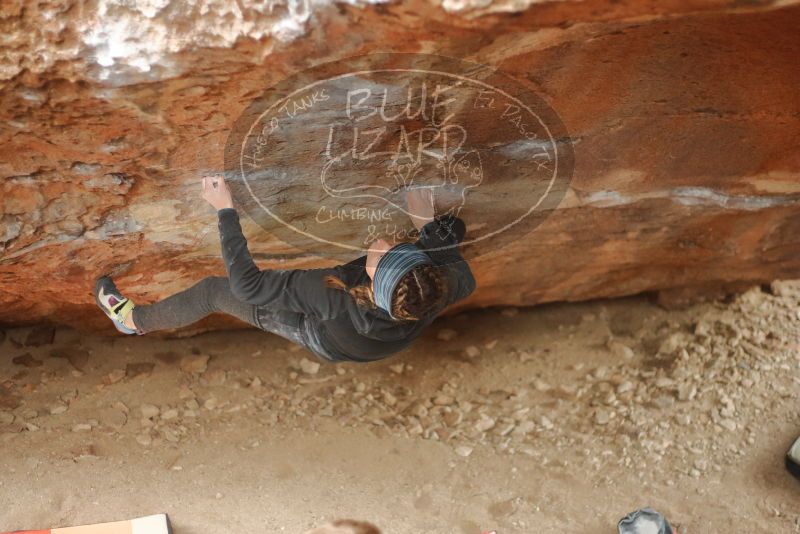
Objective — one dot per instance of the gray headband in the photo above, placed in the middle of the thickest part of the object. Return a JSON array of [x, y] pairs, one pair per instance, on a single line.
[[392, 267]]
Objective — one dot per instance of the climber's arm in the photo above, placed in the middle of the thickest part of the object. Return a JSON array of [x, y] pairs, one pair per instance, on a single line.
[[440, 236], [299, 290], [440, 239]]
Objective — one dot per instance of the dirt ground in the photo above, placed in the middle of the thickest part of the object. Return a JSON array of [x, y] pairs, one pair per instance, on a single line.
[[560, 418]]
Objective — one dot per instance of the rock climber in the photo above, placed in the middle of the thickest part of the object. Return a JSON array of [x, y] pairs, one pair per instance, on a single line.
[[364, 310]]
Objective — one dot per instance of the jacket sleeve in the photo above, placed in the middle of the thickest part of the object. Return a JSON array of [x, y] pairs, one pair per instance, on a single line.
[[440, 239], [298, 290]]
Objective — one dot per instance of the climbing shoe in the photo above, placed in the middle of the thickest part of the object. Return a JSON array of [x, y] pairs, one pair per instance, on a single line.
[[113, 303]]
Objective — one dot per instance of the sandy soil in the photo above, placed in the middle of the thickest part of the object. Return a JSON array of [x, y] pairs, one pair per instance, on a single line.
[[560, 418]]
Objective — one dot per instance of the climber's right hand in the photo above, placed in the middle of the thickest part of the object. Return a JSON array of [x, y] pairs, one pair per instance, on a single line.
[[216, 192], [421, 207]]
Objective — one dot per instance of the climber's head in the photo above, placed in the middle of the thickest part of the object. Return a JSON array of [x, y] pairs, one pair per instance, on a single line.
[[376, 251], [405, 281]]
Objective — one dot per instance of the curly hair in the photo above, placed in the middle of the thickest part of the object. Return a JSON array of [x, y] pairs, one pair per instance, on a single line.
[[421, 290]]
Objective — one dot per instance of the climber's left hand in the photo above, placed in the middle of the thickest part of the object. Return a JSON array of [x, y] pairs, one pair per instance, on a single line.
[[216, 192]]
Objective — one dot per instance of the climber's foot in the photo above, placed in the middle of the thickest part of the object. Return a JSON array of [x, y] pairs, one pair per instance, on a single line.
[[113, 304]]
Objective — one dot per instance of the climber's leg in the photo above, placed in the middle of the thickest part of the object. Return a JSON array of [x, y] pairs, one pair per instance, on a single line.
[[210, 295]]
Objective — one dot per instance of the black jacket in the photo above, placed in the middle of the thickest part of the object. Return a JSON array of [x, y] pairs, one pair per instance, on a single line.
[[349, 331]]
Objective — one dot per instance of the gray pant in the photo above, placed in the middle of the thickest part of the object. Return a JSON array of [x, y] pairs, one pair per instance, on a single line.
[[213, 294]]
